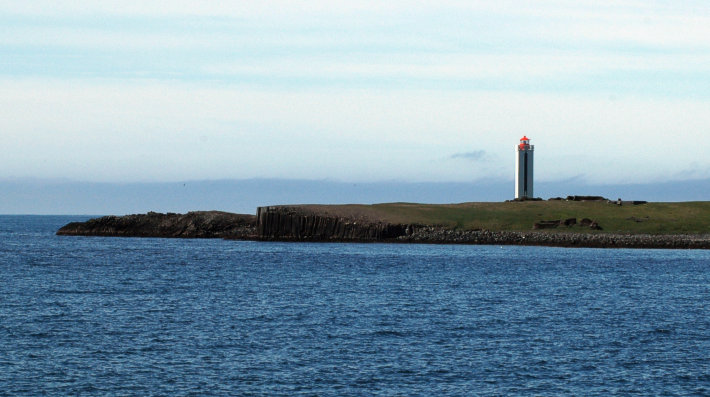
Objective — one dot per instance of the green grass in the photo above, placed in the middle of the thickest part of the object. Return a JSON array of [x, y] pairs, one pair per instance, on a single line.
[[651, 218]]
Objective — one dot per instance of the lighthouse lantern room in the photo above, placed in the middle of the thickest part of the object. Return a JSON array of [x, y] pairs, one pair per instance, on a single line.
[[524, 169]]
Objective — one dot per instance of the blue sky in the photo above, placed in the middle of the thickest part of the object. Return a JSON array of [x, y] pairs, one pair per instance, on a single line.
[[366, 91]]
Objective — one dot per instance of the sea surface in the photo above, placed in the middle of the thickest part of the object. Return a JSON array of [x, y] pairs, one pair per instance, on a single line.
[[124, 316]]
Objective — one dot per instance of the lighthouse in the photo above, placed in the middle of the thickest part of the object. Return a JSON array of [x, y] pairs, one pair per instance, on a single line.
[[524, 169]]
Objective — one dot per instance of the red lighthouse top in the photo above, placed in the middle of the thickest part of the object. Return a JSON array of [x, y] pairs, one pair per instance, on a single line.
[[524, 142]]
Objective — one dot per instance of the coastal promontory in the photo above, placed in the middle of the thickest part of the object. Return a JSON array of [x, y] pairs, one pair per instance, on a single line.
[[566, 223], [198, 224]]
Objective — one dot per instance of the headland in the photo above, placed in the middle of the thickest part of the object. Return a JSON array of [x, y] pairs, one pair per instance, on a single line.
[[572, 222], [198, 224]]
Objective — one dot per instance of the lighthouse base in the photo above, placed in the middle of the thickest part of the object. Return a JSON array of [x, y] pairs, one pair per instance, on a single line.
[[524, 199]]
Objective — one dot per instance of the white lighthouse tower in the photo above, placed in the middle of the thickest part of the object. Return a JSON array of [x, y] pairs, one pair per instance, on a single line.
[[524, 169]]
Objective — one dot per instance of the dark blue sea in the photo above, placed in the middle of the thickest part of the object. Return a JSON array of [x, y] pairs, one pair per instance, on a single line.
[[124, 316]]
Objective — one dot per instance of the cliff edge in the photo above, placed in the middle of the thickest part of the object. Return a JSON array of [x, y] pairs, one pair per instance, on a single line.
[[324, 223]]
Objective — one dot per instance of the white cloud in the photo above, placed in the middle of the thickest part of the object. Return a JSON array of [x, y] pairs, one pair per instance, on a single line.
[[476, 155], [462, 67], [654, 24], [319, 7], [511, 41], [213, 8], [168, 131], [305, 89]]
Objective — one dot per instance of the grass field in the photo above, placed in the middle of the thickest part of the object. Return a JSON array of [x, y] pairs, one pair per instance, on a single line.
[[651, 218]]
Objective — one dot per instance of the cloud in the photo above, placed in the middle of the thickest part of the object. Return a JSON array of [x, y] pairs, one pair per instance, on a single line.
[[466, 45], [156, 130], [126, 89], [477, 155]]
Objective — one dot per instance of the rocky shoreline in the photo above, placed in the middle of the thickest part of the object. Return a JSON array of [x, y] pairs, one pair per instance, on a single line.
[[198, 224], [308, 225], [434, 235]]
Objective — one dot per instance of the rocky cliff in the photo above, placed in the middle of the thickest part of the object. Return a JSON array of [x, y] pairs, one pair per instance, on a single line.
[[304, 223], [199, 224]]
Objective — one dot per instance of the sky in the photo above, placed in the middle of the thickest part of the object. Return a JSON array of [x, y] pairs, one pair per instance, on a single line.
[[354, 91]]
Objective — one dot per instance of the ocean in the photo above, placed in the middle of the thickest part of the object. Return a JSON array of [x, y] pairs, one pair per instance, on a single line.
[[126, 316]]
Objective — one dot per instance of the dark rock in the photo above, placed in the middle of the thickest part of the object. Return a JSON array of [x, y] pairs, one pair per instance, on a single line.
[[301, 224], [547, 224], [438, 235], [199, 224], [586, 198], [585, 222]]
